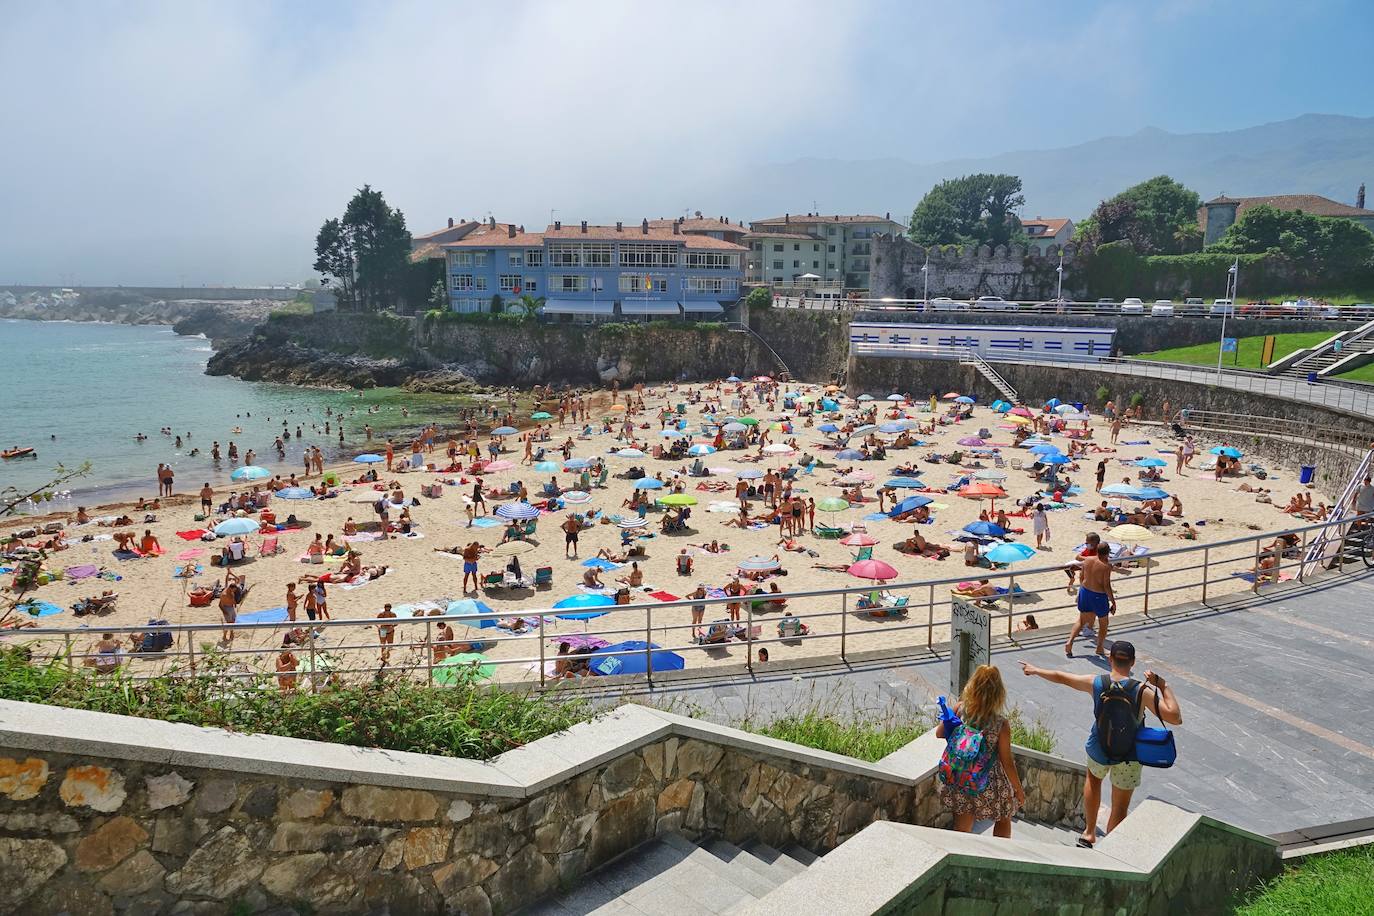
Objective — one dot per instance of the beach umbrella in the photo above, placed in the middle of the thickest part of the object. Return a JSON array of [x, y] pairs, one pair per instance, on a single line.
[[504, 431], [1120, 489], [763, 378], [576, 497], [872, 569], [1130, 533], [1071, 414], [1008, 553], [671, 433], [734, 428], [896, 398], [759, 564], [1055, 460], [547, 466], [233, 526], [778, 448], [849, 454], [1044, 448], [858, 478], [982, 491], [576, 464], [992, 474], [1019, 420], [468, 606], [462, 668], [541, 415], [791, 394], [583, 601], [632, 522], [748, 421], [971, 440], [734, 378], [1002, 407], [865, 397], [832, 504], [616, 408], [1151, 463], [511, 548], [828, 428], [516, 510], [908, 504], [950, 395], [998, 404], [494, 466], [640, 658], [866, 428], [250, 472], [896, 426], [963, 399], [1020, 411], [749, 474], [904, 483], [648, 483], [678, 499], [984, 529], [294, 493], [1150, 493], [1052, 403], [630, 453], [1228, 451], [1062, 409], [700, 449], [859, 539], [368, 459]]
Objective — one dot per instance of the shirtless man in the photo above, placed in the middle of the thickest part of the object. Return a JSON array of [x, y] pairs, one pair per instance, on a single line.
[[470, 555], [386, 634], [207, 499], [229, 600], [1096, 600], [571, 529]]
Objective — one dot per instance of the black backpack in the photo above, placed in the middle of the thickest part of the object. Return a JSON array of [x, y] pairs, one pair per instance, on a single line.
[[1118, 718]]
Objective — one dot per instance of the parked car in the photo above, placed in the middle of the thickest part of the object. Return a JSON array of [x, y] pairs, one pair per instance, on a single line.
[[1132, 306], [1260, 309], [995, 303], [946, 304], [1222, 307], [1106, 305], [1162, 308], [1193, 306]]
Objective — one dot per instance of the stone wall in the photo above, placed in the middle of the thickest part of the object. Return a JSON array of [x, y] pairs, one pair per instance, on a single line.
[[1009, 271]]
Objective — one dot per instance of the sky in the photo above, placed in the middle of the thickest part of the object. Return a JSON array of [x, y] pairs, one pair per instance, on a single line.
[[195, 143]]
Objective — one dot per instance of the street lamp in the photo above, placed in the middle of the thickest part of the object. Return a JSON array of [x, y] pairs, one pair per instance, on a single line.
[[925, 290], [1232, 273], [1059, 285]]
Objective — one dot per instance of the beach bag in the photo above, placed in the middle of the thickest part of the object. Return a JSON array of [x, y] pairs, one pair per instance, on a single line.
[[1118, 717], [966, 764], [1154, 747]]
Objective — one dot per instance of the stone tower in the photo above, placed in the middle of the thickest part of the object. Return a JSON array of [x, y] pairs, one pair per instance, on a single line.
[[1359, 197]]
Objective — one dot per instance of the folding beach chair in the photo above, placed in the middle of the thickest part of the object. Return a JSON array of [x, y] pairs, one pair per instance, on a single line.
[[543, 577], [865, 553], [269, 547]]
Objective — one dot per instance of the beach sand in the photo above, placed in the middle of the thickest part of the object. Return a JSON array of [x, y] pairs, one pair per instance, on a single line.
[[149, 589]]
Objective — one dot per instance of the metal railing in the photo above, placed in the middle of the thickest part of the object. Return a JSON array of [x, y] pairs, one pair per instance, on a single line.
[[1145, 309], [1330, 544], [975, 359], [833, 619]]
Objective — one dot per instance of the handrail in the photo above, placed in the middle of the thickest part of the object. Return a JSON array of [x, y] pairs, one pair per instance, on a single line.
[[766, 345], [1344, 506], [1248, 311], [975, 359], [1217, 562]]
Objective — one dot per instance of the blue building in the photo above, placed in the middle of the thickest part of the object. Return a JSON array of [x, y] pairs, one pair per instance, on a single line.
[[598, 273]]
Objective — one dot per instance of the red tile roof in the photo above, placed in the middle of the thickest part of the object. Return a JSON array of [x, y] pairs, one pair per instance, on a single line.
[[802, 236], [498, 236], [1311, 204], [1052, 226], [699, 225], [805, 219], [634, 232]]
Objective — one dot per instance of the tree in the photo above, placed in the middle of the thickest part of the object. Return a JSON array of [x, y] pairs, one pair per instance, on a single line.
[[972, 210], [1158, 216], [760, 297], [1321, 247], [367, 253], [527, 305], [12, 498], [438, 295]]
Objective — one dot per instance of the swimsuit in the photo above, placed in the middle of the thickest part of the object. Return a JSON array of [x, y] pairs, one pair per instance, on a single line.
[[469, 566], [1091, 602]]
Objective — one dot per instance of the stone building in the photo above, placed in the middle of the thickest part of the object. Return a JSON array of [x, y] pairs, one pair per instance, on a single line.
[[1220, 213], [1016, 272]]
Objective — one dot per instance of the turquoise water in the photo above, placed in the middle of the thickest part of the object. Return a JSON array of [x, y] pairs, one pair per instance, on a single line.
[[95, 386]]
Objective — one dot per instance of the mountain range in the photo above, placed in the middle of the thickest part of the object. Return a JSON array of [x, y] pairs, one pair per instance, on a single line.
[[1321, 154]]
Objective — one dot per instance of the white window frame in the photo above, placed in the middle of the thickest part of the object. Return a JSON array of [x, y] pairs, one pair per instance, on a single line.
[[461, 282], [462, 259], [507, 283], [515, 258], [531, 285], [711, 286], [649, 254], [480, 284], [630, 284], [534, 257], [712, 260], [479, 259], [567, 283]]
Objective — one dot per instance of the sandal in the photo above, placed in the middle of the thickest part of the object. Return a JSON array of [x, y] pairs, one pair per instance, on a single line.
[[1084, 843]]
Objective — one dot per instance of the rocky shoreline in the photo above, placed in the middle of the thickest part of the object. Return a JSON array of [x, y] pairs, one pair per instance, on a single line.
[[220, 321]]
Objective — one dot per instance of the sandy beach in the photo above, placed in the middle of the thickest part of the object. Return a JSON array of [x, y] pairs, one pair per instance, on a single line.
[[417, 575]]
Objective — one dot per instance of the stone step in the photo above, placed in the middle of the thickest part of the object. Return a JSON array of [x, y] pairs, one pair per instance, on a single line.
[[766, 853], [672, 874], [1035, 832]]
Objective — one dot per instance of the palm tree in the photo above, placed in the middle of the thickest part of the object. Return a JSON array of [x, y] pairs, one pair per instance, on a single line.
[[529, 305]]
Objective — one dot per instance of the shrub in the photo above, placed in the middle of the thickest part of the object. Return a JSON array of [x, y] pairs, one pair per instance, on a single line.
[[1103, 393]]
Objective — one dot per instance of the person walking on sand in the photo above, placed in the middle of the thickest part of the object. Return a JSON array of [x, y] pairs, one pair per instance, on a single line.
[[1116, 697], [1096, 600], [571, 529], [386, 633], [978, 772], [1040, 524], [1116, 429], [229, 600]]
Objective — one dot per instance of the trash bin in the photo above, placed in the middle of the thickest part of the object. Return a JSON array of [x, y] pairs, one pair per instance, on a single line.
[[1306, 473], [1311, 378]]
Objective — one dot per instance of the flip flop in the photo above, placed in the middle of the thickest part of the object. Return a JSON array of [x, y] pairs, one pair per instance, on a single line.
[[1084, 843]]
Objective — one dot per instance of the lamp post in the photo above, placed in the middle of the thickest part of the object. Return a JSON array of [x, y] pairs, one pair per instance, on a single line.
[[925, 291], [1059, 284], [1232, 273]]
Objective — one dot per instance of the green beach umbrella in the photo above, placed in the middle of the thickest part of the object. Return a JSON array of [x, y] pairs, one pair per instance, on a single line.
[[541, 415], [462, 668], [678, 499], [748, 421]]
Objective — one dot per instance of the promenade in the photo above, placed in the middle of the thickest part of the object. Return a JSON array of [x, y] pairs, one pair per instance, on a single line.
[[1276, 732]]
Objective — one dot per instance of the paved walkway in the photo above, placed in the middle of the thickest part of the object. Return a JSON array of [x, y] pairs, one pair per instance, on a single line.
[[1277, 733]]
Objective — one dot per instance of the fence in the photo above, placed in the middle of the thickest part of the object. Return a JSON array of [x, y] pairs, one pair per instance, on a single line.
[[1361, 312], [838, 621]]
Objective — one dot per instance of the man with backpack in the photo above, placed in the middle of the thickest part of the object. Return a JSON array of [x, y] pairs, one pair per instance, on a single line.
[[1119, 704]]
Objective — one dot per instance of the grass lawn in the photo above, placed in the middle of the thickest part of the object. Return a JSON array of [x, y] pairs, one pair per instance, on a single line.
[[1248, 355], [1342, 882]]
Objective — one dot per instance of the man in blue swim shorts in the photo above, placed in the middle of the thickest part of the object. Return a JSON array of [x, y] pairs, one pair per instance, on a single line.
[[1096, 600]]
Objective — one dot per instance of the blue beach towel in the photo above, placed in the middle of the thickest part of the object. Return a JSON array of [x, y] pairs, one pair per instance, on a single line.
[[485, 522], [876, 517], [271, 615], [38, 608], [600, 563]]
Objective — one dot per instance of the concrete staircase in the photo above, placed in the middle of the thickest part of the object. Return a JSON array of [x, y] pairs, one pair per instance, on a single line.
[[780, 370], [673, 874], [1033, 832], [971, 358], [1356, 349]]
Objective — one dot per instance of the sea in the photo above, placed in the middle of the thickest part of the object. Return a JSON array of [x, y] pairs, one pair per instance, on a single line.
[[83, 391]]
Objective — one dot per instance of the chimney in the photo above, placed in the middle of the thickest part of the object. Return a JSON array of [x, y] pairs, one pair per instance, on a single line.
[[510, 232], [450, 222], [677, 228], [493, 222], [557, 224], [1359, 197], [522, 230], [644, 227], [887, 215], [619, 227], [463, 221], [584, 227], [787, 217]]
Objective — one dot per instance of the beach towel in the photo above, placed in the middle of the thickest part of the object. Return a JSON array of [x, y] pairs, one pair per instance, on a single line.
[[362, 537], [76, 573], [37, 608], [599, 563], [664, 596], [591, 590], [191, 554], [413, 536], [127, 555], [271, 615], [485, 522], [877, 517], [195, 534], [358, 582], [182, 574]]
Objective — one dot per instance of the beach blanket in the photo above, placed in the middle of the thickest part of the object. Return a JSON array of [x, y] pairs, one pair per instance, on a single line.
[[664, 596], [191, 554], [362, 537], [195, 534], [359, 581], [1268, 579], [413, 536], [128, 555], [271, 615], [182, 573], [592, 590], [77, 573], [485, 522], [599, 563], [37, 608], [876, 517]]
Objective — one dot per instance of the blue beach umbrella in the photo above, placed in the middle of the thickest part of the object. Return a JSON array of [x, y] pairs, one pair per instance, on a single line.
[[641, 658], [368, 458], [733, 378], [1150, 493], [891, 428], [734, 427], [583, 606], [1226, 450], [1003, 408], [963, 399], [904, 483], [1055, 459], [1008, 553], [828, 428], [697, 450], [504, 431], [576, 464], [1120, 489], [998, 404], [233, 526], [467, 606], [908, 504], [294, 493], [516, 510], [866, 428], [749, 474], [1052, 403], [985, 529], [648, 483], [1044, 448], [1151, 463], [865, 397], [849, 454], [250, 472]]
